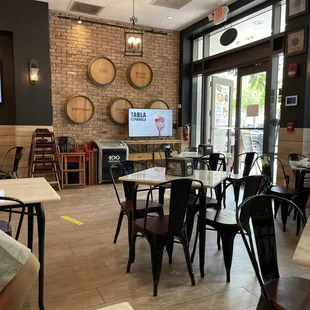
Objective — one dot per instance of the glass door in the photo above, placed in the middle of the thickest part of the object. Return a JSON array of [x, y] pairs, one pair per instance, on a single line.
[[222, 111], [251, 115]]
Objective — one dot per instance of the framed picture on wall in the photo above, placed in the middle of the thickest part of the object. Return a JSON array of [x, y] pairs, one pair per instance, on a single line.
[[296, 42], [296, 7]]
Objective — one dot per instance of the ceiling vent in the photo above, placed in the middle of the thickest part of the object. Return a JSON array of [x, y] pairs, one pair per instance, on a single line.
[[171, 4], [85, 8]]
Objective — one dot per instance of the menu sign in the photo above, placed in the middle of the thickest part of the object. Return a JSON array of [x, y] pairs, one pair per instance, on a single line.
[[221, 106]]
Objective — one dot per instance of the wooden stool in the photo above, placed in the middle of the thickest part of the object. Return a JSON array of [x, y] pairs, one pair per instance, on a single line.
[[70, 158]]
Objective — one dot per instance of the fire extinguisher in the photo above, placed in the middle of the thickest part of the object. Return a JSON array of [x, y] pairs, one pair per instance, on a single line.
[[186, 132]]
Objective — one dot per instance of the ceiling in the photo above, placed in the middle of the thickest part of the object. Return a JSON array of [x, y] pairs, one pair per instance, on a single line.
[[148, 15]]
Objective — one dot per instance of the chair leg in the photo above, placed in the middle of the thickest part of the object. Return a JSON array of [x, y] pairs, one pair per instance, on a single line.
[[195, 242], [119, 224], [218, 241], [169, 248], [129, 217], [132, 251], [188, 260], [228, 236], [276, 208], [157, 249], [284, 213]]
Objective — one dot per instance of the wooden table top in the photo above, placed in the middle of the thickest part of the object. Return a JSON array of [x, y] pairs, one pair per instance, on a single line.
[[122, 306], [28, 190], [154, 176], [302, 253]]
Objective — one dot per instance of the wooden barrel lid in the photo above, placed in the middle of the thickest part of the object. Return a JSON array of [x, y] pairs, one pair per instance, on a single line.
[[158, 104], [80, 109], [140, 75], [118, 110], [101, 71]]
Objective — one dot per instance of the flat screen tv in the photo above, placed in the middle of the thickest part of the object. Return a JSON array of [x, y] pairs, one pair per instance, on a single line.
[[149, 123]]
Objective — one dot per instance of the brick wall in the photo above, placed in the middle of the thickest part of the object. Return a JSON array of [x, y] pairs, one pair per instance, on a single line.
[[73, 46]]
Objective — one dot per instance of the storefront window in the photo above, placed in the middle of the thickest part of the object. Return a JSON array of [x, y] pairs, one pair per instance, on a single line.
[[283, 17], [198, 49], [196, 111], [250, 29]]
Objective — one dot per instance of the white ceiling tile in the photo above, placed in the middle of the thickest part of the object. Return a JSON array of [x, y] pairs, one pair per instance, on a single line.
[[148, 15]]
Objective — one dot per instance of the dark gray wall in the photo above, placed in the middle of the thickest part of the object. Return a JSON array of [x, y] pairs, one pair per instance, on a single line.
[[7, 109], [297, 85], [28, 21]]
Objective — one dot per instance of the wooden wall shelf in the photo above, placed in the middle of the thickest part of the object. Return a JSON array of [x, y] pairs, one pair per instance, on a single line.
[[152, 142], [150, 156]]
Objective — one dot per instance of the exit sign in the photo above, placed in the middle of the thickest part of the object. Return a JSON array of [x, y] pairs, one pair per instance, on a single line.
[[219, 15]]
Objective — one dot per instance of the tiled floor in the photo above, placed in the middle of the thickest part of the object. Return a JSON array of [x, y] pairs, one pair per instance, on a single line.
[[85, 270]]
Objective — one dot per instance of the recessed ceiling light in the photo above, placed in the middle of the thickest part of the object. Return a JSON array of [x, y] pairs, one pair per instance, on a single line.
[[169, 17]]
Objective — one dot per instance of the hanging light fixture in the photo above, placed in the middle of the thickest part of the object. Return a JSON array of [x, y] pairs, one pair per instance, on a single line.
[[133, 37]]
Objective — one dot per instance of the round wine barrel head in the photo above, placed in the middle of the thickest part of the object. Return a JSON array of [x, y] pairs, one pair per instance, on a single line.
[[101, 71], [228, 37], [80, 109], [158, 104], [140, 75], [118, 110]]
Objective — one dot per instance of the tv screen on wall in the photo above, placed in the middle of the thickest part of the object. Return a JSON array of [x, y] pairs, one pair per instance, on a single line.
[[149, 123]]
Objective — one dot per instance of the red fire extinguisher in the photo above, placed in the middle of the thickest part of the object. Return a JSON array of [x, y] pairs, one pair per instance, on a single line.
[[186, 132]]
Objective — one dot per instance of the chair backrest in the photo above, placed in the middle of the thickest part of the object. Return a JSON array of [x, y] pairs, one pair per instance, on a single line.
[[19, 151], [216, 161], [179, 194], [201, 164], [295, 157], [265, 164], [244, 188], [123, 168], [249, 159], [12, 209], [255, 218]]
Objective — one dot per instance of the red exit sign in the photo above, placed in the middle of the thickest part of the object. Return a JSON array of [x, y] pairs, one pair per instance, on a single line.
[[219, 15]]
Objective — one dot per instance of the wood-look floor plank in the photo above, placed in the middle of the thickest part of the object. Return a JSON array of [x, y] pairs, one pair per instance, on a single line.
[[85, 270]]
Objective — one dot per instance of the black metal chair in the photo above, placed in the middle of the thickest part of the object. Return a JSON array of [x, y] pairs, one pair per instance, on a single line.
[[249, 159], [14, 206], [123, 168], [18, 152], [161, 231], [216, 161], [224, 220], [255, 219], [265, 164], [169, 152]]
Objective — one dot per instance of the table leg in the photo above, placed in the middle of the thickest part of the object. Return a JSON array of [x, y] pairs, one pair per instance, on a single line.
[[30, 227], [202, 232], [41, 235]]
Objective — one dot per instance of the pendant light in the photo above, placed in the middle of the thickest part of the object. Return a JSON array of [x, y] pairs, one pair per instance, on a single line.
[[133, 37]]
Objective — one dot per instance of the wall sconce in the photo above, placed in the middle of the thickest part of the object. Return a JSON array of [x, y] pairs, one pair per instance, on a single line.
[[33, 72]]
